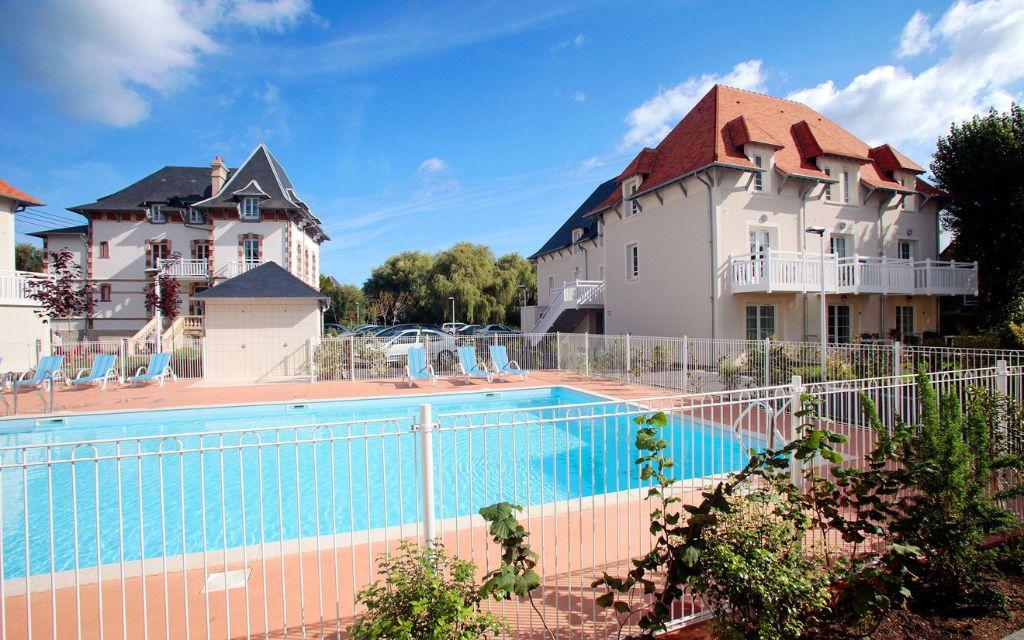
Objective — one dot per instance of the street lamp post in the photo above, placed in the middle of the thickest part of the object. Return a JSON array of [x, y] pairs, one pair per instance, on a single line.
[[357, 314], [522, 291], [820, 232], [451, 299]]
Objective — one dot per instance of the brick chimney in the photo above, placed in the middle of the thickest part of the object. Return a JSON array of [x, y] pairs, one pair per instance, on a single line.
[[218, 175]]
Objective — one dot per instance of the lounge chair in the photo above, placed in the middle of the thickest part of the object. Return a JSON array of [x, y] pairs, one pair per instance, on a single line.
[[417, 367], [49, 368], [468, 367], [502, 366], [159, 369], [102, 372]]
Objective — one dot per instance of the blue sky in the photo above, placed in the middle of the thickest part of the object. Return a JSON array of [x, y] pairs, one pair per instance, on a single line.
[[418, 125]]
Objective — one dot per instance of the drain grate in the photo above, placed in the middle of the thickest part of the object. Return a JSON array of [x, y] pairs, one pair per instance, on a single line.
[[225, 581]]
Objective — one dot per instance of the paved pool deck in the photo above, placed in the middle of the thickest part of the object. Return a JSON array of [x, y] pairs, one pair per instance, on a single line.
[[190, 393]]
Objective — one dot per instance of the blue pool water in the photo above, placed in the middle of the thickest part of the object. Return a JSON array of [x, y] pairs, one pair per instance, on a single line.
[[163, 483]]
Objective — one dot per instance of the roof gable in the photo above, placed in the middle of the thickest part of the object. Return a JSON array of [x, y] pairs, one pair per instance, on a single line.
[[264, 170], [8, 191], [269, 280]]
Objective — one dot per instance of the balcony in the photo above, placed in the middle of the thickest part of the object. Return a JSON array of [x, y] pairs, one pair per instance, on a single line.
[[238, 267], [789, 271], [15, 287], [182, 268]]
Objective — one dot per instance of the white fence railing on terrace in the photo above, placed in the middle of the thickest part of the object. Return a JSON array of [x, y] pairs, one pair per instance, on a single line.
[[796, 271], [185, 267], [270, 531], [15, 286]]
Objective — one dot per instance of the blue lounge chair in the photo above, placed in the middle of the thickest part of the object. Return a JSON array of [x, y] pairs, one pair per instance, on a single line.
[[468, 366], [159, 369], [502, 366], [417, 368], [49, 368], [102, 372]]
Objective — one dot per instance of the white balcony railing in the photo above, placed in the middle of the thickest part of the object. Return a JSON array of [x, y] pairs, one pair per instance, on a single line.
[[185, 268], [786, 271], [239, 267], [15, 286]]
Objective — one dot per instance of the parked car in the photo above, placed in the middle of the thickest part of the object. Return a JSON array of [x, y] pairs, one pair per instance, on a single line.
[[331, 328], [493, 328], [453, 328], [441, 346], [468, 329]]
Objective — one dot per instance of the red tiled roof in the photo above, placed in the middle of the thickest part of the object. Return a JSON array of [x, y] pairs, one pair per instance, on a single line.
[[890, 159], [642, 164], [725, 119], [7, 191], [929, 190]]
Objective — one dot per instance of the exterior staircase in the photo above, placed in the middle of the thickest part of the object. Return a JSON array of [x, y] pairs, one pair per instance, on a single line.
[[568, 305]]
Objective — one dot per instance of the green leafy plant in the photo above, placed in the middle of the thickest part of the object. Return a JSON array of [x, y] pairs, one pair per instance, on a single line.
[[754, 573], [515, 576], [425, 594]]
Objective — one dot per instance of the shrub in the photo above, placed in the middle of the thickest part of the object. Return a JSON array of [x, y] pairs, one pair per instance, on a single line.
[[425, 594], [754, 574]]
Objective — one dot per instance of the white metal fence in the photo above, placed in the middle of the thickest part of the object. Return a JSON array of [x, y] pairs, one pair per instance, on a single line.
[[271, 531]]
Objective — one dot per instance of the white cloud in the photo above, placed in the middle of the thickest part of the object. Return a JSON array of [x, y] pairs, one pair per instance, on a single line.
[[982, 66], [104, 60], [577, 42], [432, 165], [579, 96], [652, 120], [916, 37]]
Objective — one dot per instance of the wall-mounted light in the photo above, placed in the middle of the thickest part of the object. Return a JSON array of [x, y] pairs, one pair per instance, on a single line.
[[764, 217], [910, 232], [842, 225]]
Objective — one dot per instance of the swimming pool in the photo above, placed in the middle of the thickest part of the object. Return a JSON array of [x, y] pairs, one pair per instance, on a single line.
[[127, 486]]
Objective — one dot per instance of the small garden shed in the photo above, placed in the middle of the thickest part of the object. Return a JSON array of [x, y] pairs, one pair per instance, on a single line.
[[261, 326]]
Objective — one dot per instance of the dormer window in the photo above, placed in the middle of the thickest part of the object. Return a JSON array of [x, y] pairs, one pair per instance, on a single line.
[[250, 208], [830, 193], [634, 203], [157, 215], [758, 175], [195, 216]]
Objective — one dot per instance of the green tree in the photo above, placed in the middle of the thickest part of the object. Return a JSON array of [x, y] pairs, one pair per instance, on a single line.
[[28, 258], [979, 165], [409, 271], [467, 272], [513, 271], [346, 301]]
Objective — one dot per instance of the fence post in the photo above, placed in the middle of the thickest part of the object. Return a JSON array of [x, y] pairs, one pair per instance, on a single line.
[[122, 351], [686, 363], [629, 359], [767, 362], [586, 353], [352, 357], [1002, 377], [795, 406], [312, 361], [897, 360], [39, 350], [426, 437], [558, 350]]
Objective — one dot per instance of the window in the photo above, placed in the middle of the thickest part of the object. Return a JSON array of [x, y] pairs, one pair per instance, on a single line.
[[758, 175], [905, 250], [838, 323], [904, 322], [195, 307], [846, 187], [157, 215], [600, 273], [250, 209], [201, 250], [576, 235], [159, 250], [838, 246], [195, 216], [104, 293], [251, 250], [551, 283], [104, 249], [632, 262], [760, 321], [829, 193], [576, 273], [634, 204]]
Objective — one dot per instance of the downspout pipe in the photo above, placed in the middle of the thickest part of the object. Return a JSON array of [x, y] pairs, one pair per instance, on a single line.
[[708, 181]]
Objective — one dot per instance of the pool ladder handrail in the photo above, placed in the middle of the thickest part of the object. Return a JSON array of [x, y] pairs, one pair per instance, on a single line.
[[772, 413]]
